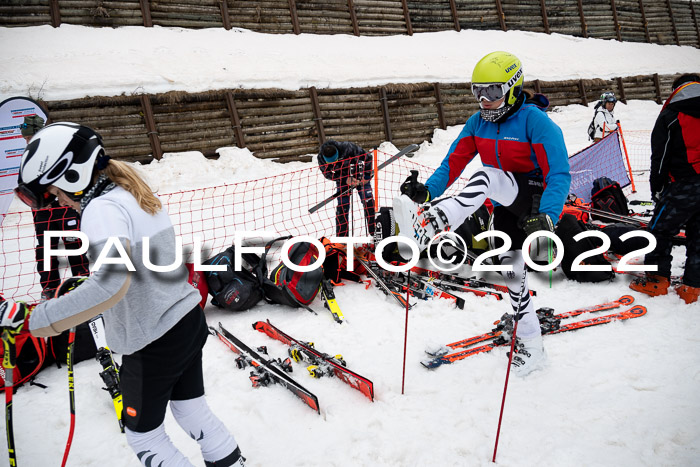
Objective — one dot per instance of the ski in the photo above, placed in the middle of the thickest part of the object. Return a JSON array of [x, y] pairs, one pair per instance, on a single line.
[[613, 259], [264, 371], [328, 297], [408, 149], [462, 288], [550, 325], [421, 288], [379, 282], [321, 364], [445, 349], [110, 368], [470, 282], [545, 315]]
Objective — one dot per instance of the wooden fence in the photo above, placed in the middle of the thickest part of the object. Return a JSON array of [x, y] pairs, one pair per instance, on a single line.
[[653, 21], [290, 125]]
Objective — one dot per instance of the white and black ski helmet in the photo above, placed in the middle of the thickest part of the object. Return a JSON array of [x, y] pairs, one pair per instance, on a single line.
[[61, 154]]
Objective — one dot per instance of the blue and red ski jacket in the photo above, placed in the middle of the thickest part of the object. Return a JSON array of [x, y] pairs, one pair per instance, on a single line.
[[527, 142]]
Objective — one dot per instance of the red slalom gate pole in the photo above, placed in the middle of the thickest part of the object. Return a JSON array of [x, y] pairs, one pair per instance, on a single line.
[[510, 360], [405, 334]]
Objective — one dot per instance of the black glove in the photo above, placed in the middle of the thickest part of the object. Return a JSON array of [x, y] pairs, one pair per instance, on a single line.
[[537, 222], [415, 190]]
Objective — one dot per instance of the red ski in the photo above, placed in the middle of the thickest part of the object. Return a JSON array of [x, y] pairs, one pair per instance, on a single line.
[[445, 349], [634, 312]]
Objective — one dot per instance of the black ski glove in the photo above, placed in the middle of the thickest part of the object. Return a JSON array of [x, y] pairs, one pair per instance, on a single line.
[[415, 189], [537, 222]]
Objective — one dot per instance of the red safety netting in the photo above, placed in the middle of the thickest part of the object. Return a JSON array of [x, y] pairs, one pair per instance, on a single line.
[[278, 205]]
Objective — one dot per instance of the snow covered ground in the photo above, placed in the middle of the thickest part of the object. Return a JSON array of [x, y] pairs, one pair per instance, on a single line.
[[623, 394]]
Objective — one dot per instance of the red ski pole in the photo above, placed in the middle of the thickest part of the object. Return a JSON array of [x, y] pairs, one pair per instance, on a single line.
[[405, 333], [71, 394], [510, 360]]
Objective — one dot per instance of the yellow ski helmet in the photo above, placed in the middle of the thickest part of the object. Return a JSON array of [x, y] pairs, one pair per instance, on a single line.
[[496, 75]]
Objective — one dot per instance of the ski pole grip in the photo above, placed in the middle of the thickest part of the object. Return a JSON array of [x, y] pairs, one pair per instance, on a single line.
[[414, 176], [8, 344]]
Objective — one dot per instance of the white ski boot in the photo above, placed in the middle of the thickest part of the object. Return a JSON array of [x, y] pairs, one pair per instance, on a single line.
[[418, 222], [529, 355]]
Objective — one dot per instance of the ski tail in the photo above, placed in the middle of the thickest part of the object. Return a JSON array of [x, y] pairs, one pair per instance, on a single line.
[[328, 296]]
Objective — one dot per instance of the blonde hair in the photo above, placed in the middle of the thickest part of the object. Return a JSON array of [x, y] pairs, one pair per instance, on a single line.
[[125, 176]]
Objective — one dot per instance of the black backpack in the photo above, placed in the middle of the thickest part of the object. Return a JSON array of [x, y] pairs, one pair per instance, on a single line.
[[30, 357], [285, 286], [607, 196], [591, 126], [568, 227], [617, 246], [230, 289], [84, 347]]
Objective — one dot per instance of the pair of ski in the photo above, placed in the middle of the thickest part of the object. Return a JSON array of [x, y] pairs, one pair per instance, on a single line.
[[549, 322], [275, 371], [472, 285], [373, 271], [420, 288], [425, 286]]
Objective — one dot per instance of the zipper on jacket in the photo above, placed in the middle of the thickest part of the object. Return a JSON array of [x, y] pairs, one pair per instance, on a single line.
[[498, 157]]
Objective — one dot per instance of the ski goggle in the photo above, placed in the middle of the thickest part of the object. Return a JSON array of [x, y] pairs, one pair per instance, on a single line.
[[491, 92], [33, 199], [495, 91]]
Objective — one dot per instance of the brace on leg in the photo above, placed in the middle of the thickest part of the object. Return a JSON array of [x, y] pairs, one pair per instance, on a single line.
[[487, 182], [155, 448], [529, 325], [196, 418]]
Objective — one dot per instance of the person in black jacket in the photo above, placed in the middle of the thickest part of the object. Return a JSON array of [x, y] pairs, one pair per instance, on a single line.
[[53, 218], [350, 167], [675, 186]]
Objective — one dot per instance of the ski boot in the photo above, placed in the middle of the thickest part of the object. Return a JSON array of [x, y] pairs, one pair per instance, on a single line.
[[651, 285], [529, 355], [419, 222], [687, 293]]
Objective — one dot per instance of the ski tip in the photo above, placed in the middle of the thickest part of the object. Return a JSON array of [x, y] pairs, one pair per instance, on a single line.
[[626, 300]]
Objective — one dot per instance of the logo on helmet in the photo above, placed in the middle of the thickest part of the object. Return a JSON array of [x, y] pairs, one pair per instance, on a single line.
[[515, 78], [512, 67]]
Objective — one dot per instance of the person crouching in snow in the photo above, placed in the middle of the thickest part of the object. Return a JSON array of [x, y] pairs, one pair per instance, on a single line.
[[524, 158], [152, 318]]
